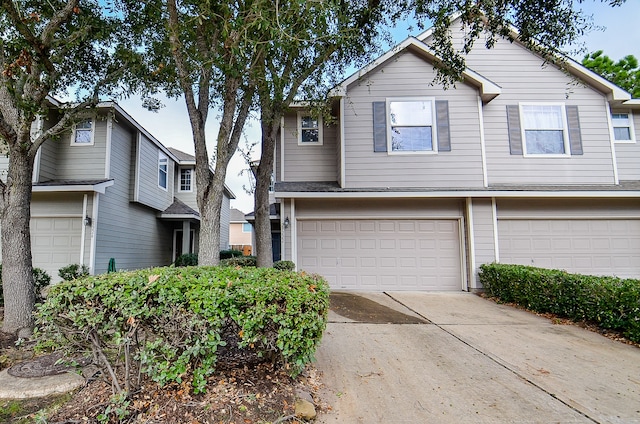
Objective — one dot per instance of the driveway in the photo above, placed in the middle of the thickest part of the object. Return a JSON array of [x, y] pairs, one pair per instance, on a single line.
[[465, 359]]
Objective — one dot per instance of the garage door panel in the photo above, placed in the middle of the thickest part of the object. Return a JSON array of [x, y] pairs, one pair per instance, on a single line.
[[588, 246], [55, 242], [390, 254]]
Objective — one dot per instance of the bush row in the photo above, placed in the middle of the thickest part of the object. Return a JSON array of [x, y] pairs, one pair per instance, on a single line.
[[171, 322], [611, 302]]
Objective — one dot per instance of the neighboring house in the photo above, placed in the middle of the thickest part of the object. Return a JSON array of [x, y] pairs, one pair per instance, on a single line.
[[416, 186], [109, 189], [240, 231]]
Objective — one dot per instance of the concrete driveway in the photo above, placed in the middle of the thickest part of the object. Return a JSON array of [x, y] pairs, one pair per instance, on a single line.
[[473, 361]]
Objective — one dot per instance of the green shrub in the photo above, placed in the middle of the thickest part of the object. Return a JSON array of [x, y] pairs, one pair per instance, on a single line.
[[242, 261], [188, 259], [284, 265], [171, 322], [73, 271], [40, 280], [226, 254], [611, 302]]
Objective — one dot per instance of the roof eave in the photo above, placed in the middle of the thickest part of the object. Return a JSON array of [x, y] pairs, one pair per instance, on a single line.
[[97, 188]]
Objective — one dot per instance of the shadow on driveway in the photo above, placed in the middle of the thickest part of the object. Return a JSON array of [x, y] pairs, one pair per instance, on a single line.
[[361, 309]]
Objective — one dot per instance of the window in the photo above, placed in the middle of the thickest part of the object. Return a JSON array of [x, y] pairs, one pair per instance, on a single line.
[[185, 179], [309, 129], [162, 170], [544, 129], [246, 227], [83, 133], [410, 125], [622, 127]]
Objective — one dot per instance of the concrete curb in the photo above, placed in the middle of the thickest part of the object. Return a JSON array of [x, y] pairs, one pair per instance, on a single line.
[[24, 388]]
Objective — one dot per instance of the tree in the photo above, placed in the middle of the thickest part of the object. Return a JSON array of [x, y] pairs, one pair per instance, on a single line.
[[316, 41], [625, 73], [46, 48], [202, 50]]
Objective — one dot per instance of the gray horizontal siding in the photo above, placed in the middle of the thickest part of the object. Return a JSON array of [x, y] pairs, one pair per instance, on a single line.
[[128, 232], [225, 216], [377, 208], [309, 162], [568, 208], [410, 76], [189, 198], [628, 154], [149, 193], [483, 235], [524, 77], [79, 161]]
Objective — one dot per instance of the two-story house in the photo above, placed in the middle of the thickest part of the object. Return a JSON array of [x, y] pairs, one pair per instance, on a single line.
[[416, 186], [109, 189]]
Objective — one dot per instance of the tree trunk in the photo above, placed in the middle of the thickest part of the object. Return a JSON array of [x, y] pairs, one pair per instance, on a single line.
[[210, 208], [17, 274], [264, 245]]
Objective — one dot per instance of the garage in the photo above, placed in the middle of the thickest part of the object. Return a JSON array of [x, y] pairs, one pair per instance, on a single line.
[[383, 254], [55, 243], [587, 246]]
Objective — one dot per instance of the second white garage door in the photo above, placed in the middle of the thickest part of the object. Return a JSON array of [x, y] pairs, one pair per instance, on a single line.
[[587, 246], [382, 255]]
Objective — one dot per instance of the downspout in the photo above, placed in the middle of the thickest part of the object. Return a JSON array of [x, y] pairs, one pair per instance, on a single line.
[[494, 212]]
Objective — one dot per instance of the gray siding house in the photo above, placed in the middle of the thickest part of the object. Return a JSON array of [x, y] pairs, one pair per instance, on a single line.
[[416, 186], [109, 189]]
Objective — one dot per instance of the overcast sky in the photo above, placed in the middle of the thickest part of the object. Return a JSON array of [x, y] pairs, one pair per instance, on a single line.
[[619, 37]]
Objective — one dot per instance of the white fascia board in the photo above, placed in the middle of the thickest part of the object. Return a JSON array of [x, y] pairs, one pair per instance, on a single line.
[[182, 216], [97, 188], [458, 194], [632, 104]]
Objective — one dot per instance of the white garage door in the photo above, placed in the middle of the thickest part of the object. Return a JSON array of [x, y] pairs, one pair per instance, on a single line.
[[382, 255], [55, 242], [587, 246]]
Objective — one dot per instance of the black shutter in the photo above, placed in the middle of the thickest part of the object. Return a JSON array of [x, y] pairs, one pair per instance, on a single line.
[[515, 134], [379, 126], [575, 137], [442, 125]]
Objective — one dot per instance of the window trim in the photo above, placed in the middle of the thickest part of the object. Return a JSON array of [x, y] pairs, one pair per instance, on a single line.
[[434, 125], [565, 131], [75, 130], [300, 129], [632, 131], [191, 173], [162, 157]]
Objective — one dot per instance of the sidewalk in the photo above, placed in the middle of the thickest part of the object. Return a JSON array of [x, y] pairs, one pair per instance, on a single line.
[[475, 362]]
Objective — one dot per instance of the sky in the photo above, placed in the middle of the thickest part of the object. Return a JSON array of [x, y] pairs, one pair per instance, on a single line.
[[618, 37]]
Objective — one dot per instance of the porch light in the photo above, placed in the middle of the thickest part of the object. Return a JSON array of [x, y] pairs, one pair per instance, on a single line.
[[87, 221], [286, 222]]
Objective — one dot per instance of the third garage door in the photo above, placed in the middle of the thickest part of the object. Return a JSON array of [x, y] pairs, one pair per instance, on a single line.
[[382, 254]]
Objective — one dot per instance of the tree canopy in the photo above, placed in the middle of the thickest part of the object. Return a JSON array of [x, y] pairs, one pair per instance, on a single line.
[[625, 73]]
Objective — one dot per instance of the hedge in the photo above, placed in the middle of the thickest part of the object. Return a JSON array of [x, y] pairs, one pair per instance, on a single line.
[[611, 302], [171, 322]]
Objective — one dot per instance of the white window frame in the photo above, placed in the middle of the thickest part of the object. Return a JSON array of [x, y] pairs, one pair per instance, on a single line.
[[301, 129], [434, 126], [565, 130], [191, 173], [246, 223], [75, 130], [632, 132], [162, 158]]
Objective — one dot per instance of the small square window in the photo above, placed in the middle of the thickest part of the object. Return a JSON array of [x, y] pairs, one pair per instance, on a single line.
[[544, 127], [309, 129], [162, 170], [185, 179], [246, 227], [622, 127], [83, 133]]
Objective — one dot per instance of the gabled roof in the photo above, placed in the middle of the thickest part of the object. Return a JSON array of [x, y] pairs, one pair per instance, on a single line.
[[614, 93], [236, 216], [183, 158], [179, 210], [488, 89]]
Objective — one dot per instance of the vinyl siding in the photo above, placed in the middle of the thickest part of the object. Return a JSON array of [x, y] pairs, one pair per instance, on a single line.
[[483, 235], [524, 77], [225, 216], [628, 154], [408, 75], [48, 153], [79, 161], [378, 208], [128, 232], [149, 193], [187, 197], [568, 208], [310, 162]]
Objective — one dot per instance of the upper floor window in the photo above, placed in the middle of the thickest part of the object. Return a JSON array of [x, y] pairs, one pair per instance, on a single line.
[[83, 133], [185, 179], [544, 128], [162, 170], [410, 125], [246, 227], [622, 127], [309, 129]]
